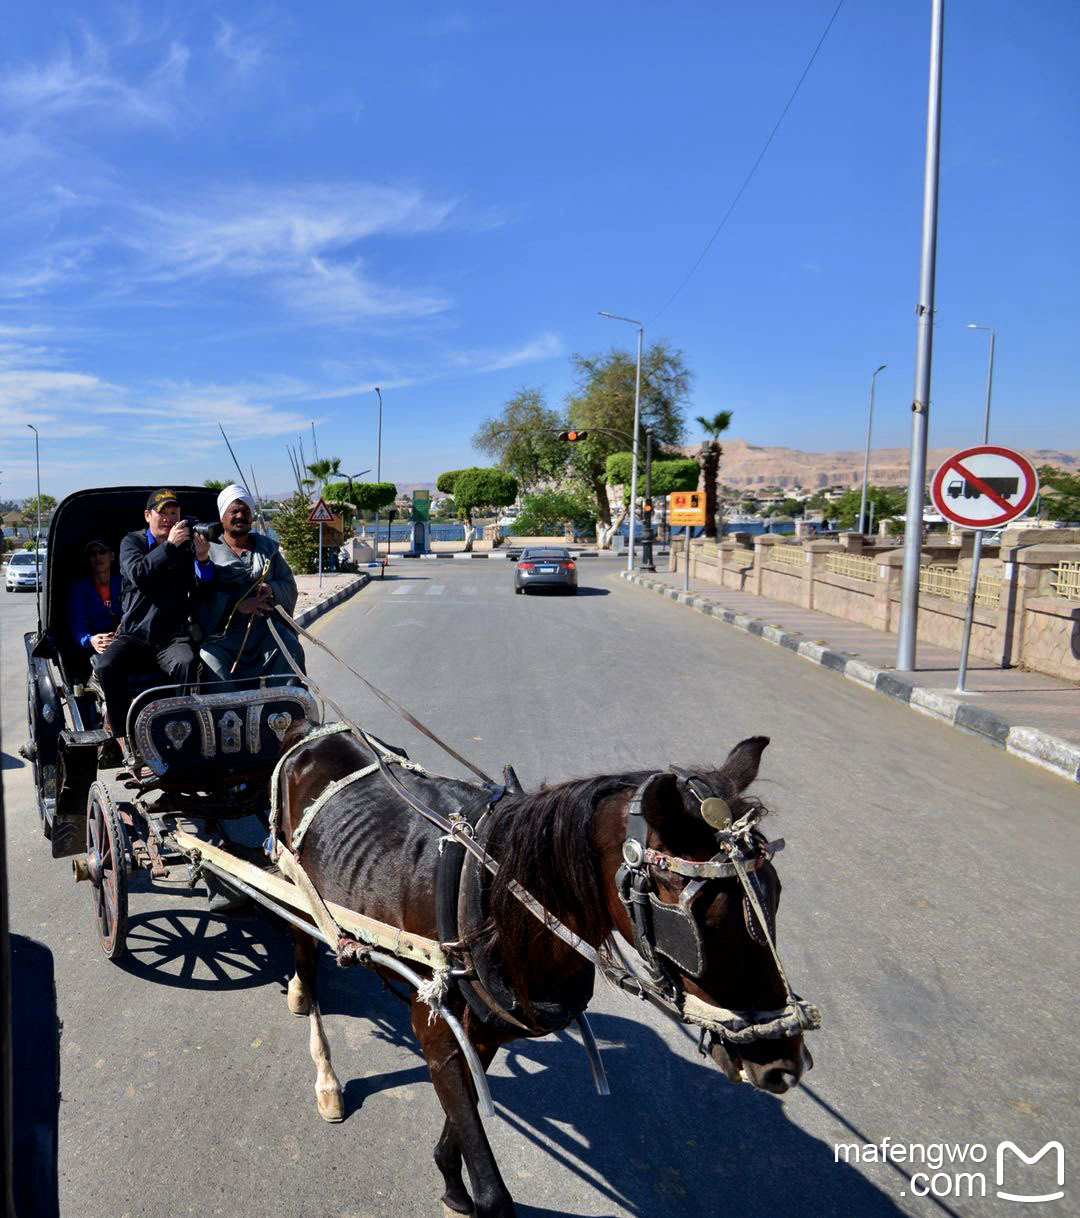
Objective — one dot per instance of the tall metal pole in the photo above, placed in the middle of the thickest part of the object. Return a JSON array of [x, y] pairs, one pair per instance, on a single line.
[[646, 524], [378, 473], [924, 313], [637, 429], [976, 549], [37, 534], [989, 379], [866, 458]]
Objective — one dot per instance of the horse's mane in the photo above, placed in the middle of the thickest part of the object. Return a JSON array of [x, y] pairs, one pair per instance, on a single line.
[[544, 841]]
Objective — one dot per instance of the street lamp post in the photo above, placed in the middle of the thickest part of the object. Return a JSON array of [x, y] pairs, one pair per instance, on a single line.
[[989, 378], [646, 523], [866, 458], [37, 534], [378, 469], [637, 428]]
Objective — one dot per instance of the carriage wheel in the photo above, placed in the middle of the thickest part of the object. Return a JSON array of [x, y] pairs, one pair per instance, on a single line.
[[33, 712], [108, 863]]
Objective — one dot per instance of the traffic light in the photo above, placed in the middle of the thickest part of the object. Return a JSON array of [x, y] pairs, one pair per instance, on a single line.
[[572, 437], [391, 515], [646, 509]]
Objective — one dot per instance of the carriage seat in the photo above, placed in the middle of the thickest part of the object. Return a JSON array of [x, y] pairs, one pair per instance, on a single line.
[[205, 735]]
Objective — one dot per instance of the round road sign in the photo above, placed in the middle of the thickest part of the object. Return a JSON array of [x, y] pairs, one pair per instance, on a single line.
[[984, 487]]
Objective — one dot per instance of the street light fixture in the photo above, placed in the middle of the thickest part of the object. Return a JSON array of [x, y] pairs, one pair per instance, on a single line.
[[866, 458], [989, 378], [637, 428]]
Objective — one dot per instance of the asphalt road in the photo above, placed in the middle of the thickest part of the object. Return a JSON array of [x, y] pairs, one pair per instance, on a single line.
[[929, 907]]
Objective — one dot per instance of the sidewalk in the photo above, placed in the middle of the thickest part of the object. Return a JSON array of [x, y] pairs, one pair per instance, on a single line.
[[1034, 716]]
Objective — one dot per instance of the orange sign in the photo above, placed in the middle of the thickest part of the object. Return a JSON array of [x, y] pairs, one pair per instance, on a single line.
[[686, 507]]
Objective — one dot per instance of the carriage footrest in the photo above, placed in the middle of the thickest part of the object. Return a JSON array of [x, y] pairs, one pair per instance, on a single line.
[[68, 835], [89, 739]]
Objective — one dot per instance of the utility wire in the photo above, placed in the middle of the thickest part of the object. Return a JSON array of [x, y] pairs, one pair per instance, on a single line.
[[753, 168]]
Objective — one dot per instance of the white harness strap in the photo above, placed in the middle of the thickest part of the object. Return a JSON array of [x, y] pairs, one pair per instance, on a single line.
[[328, 729], [321, 800]]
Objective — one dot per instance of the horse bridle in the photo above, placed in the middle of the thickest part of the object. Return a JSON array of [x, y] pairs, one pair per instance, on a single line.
[[667, 936]]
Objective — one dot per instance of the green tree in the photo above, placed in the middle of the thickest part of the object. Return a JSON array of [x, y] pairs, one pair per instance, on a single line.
[[1059, 494], [845, 509], [787, 507], [365, 496], [604, 398], [524, 439], [215, 484], [299, 540], [711, 452], [478, 489], [30, 506], [445, 481], [545, 512], [325, 467], [681, 474]]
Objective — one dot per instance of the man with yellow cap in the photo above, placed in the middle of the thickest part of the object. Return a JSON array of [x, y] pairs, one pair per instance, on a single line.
[[161, 566]]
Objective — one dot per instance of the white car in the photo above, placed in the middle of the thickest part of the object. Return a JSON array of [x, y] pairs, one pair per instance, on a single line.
[[22, 570]]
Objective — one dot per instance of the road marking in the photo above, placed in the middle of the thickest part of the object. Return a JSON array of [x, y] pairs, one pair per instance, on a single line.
[[470, 590], [436, 590], [401, 591]]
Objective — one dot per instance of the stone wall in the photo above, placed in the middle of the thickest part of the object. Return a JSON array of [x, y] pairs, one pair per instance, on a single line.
[[1029, 626]]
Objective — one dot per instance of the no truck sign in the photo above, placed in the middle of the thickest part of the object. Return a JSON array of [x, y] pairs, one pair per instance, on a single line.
[[984, 487]]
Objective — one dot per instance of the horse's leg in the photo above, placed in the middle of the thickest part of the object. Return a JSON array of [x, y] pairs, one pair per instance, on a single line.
[[463, 1135], [448, 1158], [304, 999]]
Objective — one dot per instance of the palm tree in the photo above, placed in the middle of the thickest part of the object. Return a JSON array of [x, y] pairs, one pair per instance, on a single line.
[[324, 469], [711, 452]]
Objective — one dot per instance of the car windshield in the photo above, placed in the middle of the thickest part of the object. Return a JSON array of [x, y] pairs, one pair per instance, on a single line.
[[23, 559]]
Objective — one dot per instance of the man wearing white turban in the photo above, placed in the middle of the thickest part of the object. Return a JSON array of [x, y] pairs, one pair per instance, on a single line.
[[251, 576]]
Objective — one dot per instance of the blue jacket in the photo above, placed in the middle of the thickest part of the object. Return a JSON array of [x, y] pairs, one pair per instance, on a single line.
[[87, 614]]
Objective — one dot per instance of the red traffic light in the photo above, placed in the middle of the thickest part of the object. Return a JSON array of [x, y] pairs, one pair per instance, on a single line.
[[572, 437]]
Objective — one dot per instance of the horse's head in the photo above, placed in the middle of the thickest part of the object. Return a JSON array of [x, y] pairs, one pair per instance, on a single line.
[[698, 881]]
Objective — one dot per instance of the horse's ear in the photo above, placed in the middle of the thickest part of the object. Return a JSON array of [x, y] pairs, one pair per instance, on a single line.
[[659, 797], [741, 766]]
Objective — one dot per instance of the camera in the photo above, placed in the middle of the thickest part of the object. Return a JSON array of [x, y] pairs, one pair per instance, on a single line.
[[214, 531]]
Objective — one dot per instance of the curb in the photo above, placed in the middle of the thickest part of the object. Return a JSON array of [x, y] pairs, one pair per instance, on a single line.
[[1028, 743], [310, 614]]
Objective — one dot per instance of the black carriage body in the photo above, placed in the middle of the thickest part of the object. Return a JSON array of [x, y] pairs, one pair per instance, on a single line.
[[63, 718]]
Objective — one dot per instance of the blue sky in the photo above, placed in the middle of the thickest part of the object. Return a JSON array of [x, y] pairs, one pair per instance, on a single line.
[[256, 213]]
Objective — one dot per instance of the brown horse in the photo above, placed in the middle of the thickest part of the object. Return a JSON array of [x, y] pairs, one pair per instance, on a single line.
[[567, 845]]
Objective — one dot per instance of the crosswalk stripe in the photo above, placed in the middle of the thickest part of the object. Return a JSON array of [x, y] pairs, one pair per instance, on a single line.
[[401, 591], [436, 590]]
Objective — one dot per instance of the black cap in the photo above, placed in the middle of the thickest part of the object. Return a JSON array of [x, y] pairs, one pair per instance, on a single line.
[[160, 498], [90, 545]]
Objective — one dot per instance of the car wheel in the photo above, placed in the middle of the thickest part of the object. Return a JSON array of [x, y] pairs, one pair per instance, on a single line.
[[519, 591]]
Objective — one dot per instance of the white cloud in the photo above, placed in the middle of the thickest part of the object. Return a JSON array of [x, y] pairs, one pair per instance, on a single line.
[[244, 51], [85, 80]]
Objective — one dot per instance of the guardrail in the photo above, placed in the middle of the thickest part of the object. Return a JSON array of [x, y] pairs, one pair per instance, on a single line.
[[1065, 580], [854, 566], [951, 585], [788, 555]]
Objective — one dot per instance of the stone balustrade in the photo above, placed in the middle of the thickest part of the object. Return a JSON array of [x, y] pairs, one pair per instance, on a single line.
[[858, 579]]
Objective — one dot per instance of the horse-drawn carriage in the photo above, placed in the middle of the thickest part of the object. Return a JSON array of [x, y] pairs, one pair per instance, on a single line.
[[496, 907]]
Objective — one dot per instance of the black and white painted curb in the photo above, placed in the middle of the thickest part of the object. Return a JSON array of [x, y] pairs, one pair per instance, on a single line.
[[1027, 743], [333, 600]]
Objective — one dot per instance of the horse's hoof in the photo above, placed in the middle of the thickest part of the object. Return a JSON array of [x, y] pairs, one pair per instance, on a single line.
[[331, 1105], [449, 1213], [297, 998]]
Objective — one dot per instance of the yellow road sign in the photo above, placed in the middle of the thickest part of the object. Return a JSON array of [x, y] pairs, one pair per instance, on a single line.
[[686, 507]]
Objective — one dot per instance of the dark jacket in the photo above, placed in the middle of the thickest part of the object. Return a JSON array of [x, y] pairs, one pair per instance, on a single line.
[[159, 589], [87, 614]]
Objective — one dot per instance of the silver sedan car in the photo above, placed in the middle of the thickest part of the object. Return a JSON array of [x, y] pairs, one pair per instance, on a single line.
[[545, 567]]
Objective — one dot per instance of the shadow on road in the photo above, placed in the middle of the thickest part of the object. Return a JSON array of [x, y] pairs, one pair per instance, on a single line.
[[10, 762]]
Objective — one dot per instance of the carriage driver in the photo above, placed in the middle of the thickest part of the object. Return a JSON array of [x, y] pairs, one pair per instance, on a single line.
[[161, 566], [251, 577]]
